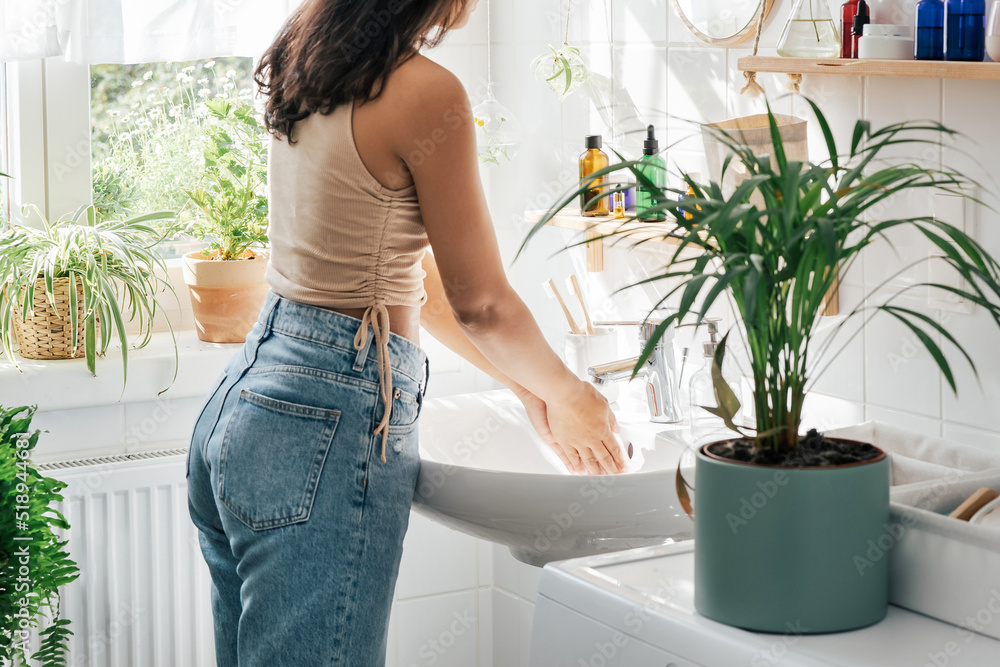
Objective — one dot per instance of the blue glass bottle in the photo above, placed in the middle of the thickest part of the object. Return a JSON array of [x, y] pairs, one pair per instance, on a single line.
[[965, 30], [929, 44]]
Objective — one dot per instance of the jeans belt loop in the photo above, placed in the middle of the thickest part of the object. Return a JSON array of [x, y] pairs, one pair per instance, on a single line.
[[359, 361], [427, 376]]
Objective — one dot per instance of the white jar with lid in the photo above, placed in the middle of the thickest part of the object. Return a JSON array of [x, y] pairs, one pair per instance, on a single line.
[[886, 42]]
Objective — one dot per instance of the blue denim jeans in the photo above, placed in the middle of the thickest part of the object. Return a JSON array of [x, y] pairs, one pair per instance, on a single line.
[[300, 522]]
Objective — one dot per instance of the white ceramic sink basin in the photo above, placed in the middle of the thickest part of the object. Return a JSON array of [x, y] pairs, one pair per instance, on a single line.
[[485, 472]]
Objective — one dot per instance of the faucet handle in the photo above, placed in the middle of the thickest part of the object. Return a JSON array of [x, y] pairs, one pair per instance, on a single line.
[[646, 327]]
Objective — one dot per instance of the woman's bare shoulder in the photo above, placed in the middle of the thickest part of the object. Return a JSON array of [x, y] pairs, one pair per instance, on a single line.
[[423, 92]]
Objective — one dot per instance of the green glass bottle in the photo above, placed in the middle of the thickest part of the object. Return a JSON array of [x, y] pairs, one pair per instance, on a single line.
[[653, 167]]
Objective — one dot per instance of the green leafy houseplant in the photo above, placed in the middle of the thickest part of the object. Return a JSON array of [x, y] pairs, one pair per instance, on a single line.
[[114, 263], [233, 197], [34, 563], [778, 261], [776, 246]]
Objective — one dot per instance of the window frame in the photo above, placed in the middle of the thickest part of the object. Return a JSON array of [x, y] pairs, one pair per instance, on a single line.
[[48, 137], [4, 146]]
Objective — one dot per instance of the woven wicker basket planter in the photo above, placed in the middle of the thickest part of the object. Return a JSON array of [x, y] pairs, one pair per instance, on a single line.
[[47, 335]]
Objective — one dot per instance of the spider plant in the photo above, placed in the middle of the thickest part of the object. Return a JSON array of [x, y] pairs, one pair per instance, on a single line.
[[779, 243], [113, 261]]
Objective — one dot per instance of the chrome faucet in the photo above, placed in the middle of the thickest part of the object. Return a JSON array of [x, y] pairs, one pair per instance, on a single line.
[[658, 372]]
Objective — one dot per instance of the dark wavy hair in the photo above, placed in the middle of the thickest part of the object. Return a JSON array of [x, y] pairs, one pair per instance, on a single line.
[[331, 52]]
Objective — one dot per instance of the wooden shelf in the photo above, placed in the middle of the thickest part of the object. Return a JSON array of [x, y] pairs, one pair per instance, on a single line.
[[631, 231], [570, 218], [923, 69]]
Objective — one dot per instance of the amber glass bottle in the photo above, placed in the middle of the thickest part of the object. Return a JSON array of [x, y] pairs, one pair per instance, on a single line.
[[594, 159]]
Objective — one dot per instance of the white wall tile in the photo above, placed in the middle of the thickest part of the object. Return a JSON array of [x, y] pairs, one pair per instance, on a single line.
[[392, 643], [906, 420], [977, 399], [696, 92], [147, 425], [824, 412], [506, 630], [486, 639], [987, 440], [899, 372], [436, 559], [514, 577], [641, 21], [79, 433], [440, 630], [526, 612], [838, 351]]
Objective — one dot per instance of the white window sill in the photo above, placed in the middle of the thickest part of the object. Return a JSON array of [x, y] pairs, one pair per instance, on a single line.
[[67, 384]]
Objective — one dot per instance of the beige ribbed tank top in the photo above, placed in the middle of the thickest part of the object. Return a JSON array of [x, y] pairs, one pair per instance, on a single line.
[[339, 238]]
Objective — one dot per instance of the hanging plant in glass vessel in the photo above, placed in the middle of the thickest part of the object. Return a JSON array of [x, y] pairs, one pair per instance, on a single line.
[[497, 131], [564, 69]]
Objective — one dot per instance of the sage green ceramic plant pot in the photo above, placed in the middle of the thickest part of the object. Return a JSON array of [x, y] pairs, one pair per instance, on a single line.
[[792, 550]]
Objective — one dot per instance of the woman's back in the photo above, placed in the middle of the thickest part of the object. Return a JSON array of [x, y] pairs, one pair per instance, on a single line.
[[339, 238]]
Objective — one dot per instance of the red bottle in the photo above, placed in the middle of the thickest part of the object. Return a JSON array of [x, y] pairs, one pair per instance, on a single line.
[[847, 12]]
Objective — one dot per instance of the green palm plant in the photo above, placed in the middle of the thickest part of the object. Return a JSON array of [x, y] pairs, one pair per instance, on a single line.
[[783, 239], [114, 262]]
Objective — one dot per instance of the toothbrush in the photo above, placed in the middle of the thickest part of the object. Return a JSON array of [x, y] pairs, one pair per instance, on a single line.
[[550, 289], [574, 288]]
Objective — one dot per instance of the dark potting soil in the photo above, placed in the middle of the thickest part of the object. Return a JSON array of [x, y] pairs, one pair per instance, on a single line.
[[814, 451]]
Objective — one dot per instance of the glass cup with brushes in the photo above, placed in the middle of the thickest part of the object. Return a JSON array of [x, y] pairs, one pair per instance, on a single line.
[[586, 345]]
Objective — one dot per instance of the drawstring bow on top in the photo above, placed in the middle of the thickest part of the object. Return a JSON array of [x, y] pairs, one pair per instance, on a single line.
[[378, 317]]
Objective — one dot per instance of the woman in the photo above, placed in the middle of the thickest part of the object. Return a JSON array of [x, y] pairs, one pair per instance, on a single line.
[[304, 459]]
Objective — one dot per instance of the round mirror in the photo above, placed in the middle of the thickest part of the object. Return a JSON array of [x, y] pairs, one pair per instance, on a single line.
[[721, 22]]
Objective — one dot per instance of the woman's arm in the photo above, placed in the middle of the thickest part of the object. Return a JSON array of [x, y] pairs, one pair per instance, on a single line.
[[435, 138], [437, 318]]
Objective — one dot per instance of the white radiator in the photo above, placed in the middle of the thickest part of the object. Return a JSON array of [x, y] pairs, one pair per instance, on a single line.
[[143, 596]]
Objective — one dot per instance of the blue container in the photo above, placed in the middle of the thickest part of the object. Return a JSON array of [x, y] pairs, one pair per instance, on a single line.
[[965, 30], [929, 44]]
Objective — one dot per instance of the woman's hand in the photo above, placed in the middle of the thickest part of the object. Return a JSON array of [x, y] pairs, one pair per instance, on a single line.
[[583, 426], [538, 416]]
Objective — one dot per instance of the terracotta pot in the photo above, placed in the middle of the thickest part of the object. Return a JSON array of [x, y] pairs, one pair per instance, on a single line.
[[226, 296], [791, 549]]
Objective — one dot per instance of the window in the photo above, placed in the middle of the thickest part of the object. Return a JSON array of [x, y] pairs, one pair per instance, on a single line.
[[4, 147], [148, 127]]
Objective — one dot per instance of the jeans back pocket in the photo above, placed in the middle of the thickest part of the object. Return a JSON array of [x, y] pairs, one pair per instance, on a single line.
[[271, 459]]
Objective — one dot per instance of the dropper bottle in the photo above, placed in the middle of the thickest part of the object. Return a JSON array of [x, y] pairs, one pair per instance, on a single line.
[[861, 19], [847, 12], [653, 168]]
